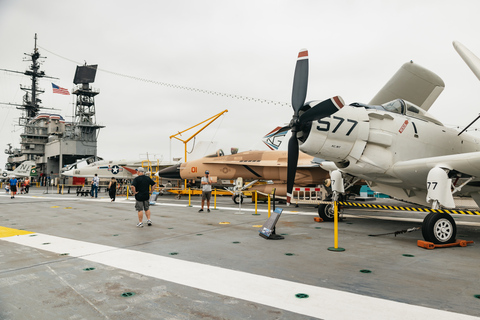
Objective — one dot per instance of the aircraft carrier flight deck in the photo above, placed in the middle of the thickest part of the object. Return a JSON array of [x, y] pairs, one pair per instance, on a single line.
[[72, 257]]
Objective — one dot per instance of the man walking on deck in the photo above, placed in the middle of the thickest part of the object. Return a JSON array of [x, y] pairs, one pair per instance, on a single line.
[[141, 189]]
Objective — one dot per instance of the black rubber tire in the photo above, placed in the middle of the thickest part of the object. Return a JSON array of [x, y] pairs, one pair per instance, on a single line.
[[439, 228], [325, 211], [235, 199]]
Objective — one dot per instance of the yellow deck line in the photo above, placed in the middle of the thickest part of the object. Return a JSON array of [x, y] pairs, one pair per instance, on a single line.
[[9, 232]]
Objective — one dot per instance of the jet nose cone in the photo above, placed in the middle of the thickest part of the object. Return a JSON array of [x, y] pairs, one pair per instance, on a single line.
[[172, 172]]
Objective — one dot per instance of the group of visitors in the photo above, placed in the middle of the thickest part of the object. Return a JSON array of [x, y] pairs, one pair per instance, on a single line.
[[14, 185], [112, 187]]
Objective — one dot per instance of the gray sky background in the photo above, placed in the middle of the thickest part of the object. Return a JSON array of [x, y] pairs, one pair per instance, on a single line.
[[244, 48]]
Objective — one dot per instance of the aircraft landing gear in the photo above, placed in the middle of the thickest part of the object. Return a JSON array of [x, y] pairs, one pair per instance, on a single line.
[[439, 228], [326, 211], [236, 200]]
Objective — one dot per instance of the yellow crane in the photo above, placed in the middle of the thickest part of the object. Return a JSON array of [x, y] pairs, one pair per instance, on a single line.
[[207, 122]]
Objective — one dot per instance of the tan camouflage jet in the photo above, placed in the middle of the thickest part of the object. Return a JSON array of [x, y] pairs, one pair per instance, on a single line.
[[268, 166]]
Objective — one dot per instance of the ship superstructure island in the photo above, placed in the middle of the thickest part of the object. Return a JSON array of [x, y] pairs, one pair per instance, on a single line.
[[47, 138]]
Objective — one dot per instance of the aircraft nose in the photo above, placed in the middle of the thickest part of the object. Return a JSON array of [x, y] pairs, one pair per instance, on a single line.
[[172, 172]]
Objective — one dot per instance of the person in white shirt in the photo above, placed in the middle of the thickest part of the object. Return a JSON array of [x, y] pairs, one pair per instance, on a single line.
[[95, 184], [206, 190]]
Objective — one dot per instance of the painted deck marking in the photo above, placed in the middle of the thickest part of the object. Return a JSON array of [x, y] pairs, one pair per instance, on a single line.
[[322, 303]]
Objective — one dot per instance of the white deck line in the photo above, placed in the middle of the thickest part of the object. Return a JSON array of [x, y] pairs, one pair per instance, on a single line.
[[322, 303]]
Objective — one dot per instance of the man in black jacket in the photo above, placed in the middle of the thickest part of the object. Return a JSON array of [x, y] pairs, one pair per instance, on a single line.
[[141, 189]]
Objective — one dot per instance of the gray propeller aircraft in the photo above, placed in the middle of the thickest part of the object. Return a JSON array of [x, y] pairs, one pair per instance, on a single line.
[[250, 166], [392, 142]]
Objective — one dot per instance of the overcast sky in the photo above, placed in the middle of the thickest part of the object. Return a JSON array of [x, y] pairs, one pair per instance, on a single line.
[[240, 48]]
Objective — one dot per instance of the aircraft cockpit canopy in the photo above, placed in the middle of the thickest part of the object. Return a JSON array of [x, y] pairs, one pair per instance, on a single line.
[[401, 106], [218, 153]]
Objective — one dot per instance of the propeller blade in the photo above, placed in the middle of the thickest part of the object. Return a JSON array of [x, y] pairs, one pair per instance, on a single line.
[[470, 59], [300, 81], [292, 164], [323, 109]]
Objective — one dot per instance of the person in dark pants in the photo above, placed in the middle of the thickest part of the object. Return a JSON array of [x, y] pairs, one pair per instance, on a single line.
[[13, 187], [141, 189], [112, 189], [95, 184]]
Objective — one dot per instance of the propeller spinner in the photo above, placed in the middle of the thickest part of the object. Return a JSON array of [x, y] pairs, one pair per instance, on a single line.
[[313, 112]]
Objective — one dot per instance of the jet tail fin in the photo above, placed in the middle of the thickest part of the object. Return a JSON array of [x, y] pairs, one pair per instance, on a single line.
[[274, 138], [26, 169]]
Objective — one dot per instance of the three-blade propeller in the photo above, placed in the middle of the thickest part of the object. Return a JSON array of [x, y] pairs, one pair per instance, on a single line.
[[316, 111]]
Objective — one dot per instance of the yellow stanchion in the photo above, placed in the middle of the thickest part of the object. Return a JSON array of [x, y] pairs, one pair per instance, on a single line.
[[127, 191], [215, 199], [62, 187], [58, 188], [335, 227], [256, 203], [189, 197], [269, 206]]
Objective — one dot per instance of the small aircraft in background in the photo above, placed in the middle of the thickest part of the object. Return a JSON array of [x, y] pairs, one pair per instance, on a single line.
[[250, 166], [25, 169], [118, 169], [392, 142]]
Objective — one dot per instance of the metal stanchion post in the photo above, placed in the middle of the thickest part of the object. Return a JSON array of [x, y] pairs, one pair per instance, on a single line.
[[268, 210], [256, 202], [335, 224], [189, 197], [215, 199]]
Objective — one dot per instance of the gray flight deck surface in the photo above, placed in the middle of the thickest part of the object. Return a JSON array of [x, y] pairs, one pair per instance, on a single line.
[[384, 277]]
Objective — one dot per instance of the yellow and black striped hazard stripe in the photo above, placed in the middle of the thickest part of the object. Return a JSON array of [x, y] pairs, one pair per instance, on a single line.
[[383, 207]]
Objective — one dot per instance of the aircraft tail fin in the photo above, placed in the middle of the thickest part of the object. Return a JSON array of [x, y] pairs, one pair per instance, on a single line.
[[274, 138], [26, 169]]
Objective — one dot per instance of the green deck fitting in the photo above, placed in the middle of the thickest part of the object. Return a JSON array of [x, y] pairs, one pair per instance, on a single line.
[[476, 296], [236, 242], [289, 254], [173, 253], [128, 294], [408, 255], [336, 249], [365, 271], [88, 269], [301, 295]]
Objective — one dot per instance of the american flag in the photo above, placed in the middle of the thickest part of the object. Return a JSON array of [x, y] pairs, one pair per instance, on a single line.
[[60, 90]]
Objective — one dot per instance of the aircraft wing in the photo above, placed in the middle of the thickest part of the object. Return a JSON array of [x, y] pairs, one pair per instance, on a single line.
[[253, 163], [263, 163], [417, 170], [412, 83]]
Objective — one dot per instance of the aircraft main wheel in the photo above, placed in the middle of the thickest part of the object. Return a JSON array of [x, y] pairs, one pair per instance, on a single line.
[[326, 212], [439, 228], [235, 199]]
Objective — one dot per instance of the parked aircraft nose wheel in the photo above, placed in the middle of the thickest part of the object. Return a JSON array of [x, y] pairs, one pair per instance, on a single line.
[[326, 212], [439, 228], [236, 197]]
